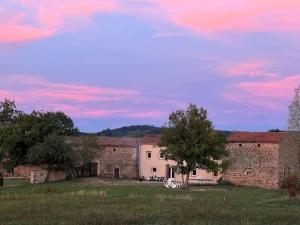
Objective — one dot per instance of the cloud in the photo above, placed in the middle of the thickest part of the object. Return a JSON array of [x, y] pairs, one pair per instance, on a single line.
[[77, 100], [214, 16], [25, 20], [39, 88], [270, 95], [41, 19], [251, 69]]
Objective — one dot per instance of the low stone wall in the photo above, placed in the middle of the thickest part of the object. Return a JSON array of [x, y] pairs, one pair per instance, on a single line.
[[57, 175], [25, 170], [53, 175]]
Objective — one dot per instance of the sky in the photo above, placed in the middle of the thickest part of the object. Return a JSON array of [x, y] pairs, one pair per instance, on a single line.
[[112, 63]]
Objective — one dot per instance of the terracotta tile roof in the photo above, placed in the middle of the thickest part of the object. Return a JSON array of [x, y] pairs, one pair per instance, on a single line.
[[118, 141], [257, 137], [150, 140]]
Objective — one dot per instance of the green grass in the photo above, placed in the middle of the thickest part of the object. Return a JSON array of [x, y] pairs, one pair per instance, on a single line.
[[78, 203]]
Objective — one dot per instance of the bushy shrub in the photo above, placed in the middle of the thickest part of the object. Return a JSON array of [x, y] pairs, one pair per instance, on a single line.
[[291, 182], [223, 182]]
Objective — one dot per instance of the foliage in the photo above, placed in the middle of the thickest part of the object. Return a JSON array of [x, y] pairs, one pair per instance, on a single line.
[[294, 112], [24, 131], [192, 142], [8, 113], [131, 131], [85, 148], [53, 151]]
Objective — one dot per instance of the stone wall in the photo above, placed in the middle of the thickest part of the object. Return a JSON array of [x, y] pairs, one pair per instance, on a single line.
[[25, 170], [253, 164], [123, 158], [57, 175]]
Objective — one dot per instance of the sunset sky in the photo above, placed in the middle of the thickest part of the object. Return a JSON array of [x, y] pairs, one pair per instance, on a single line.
[[110, 63]]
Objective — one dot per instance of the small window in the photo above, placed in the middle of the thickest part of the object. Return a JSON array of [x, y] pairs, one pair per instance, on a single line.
[[161, 155], [194, 173], [114, 149], [216, 173], [248, 172], [149, 155], [240, 145], [154, 170], [258, 145]]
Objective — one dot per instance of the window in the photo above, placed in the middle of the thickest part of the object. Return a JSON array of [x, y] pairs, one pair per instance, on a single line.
[[258, 145], [149, 155], [161, 155], [240, 145], [194, 173], [215, 173], [154, 170], [114, 149]]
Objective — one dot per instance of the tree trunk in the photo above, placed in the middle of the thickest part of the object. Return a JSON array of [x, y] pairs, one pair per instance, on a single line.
[[182, 176], [187, 178]]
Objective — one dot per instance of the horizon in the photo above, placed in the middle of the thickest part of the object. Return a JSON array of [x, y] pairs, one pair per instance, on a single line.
[[113, 63]]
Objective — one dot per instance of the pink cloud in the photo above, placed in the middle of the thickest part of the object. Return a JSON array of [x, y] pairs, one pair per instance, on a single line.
[[41, 19], [233, 15], [251, 69], [273, 95], [76, 100], [39, 88]]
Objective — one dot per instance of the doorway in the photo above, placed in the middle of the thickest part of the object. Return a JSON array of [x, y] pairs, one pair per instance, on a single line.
[[171, 173], [94, 169], [117, 173]]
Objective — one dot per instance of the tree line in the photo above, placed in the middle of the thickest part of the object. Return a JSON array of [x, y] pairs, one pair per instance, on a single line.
[[39, 138]]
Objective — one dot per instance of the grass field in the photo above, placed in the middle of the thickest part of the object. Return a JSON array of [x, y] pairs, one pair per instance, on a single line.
[[90, 203]]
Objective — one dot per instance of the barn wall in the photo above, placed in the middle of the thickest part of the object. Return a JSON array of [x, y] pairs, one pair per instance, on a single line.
[[253, 165]]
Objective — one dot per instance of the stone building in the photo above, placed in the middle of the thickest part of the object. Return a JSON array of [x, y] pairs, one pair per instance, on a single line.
[[117, 158], [262, 159]]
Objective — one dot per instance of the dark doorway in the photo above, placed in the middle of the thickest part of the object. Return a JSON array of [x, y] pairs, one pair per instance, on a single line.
[[171, 172], [94, 169], [116, 173]]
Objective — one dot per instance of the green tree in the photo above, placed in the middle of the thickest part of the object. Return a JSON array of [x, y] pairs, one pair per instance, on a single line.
[[8, 113], [85, 148], [192, 142], [25, 131], [53, 152]]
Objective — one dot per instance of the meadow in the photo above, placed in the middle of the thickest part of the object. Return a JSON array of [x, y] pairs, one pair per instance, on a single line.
[[78, 202]]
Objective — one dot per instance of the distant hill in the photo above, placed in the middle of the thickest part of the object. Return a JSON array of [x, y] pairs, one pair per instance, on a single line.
[[131, 131]]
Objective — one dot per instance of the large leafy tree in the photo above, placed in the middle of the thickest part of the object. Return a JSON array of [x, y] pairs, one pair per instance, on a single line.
[[53, 151], [8, 113], [22, 132], [294, 112], [191, 141]]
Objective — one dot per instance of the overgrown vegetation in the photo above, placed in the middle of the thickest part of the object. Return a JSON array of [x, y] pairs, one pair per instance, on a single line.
[[78, 203]]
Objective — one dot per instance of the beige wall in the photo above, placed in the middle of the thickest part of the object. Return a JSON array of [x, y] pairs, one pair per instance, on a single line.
[[253, 165], [146, 166]]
